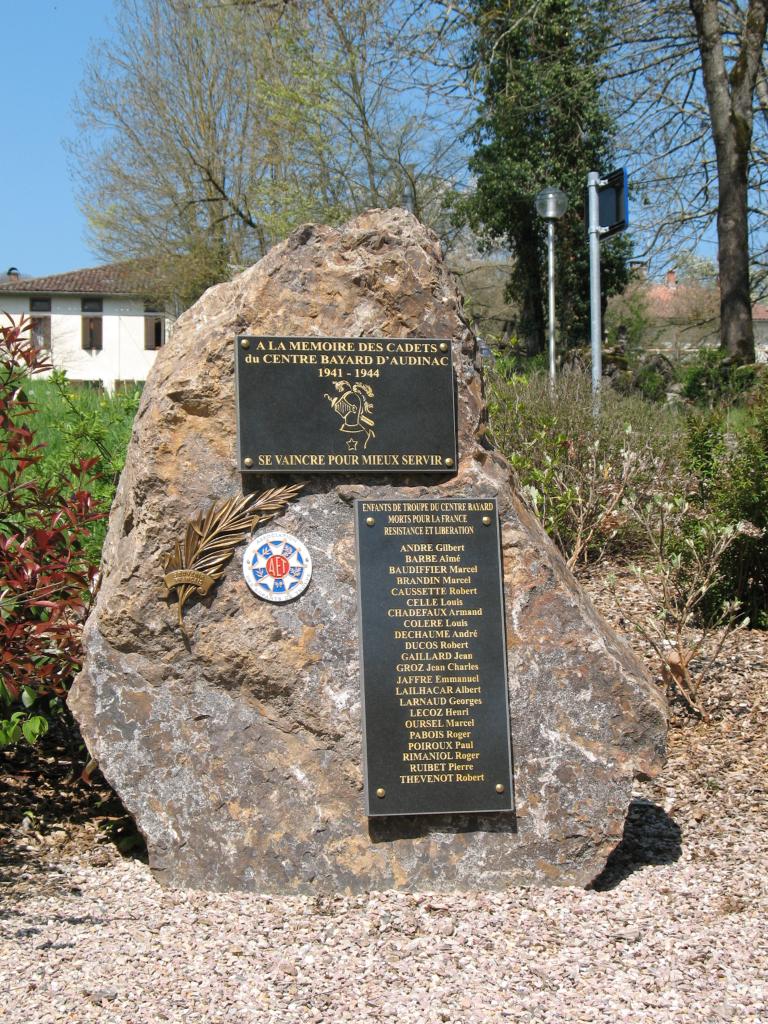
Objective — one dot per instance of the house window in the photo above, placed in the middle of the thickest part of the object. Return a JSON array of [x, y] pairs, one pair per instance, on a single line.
[[40, 331], [40, 328], [92, 333], [91, 325], [154, 326], [154, 332]]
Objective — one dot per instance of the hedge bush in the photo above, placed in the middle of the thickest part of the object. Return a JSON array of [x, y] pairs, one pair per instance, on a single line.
[[46, 570]]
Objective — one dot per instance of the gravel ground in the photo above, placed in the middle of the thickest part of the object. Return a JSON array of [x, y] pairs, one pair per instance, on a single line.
[[673, 931]]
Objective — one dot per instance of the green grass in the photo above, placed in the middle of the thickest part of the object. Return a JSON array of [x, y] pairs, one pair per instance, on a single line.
[[83, 422]]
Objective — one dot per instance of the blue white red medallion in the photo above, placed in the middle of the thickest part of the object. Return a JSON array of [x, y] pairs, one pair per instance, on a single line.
[[277, 566]]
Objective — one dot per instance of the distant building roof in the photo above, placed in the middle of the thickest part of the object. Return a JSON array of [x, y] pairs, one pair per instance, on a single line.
[[110, 279], [688, 300]]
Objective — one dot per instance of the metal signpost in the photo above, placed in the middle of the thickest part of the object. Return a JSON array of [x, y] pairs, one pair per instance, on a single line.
[[607, 214]]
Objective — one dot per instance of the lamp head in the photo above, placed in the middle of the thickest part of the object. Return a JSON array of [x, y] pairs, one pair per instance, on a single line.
[[551, 203]]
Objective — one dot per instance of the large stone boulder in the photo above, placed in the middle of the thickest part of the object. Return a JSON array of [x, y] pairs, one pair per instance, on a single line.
[[238, 750]]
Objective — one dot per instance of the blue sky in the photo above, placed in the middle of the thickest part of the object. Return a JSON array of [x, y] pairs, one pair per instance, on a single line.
[[45, 43]]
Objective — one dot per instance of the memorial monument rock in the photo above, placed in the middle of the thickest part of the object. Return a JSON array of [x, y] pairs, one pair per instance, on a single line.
[[233, 728]]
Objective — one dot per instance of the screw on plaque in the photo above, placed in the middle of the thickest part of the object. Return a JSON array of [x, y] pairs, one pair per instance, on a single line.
[[245, 343], [499, 787], [487, 520], [448, 461], [247, 462], [381, 792], [370, 521]]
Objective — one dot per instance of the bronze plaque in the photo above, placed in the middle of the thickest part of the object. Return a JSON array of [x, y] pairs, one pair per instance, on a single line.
[[345, 405], [435, 709]]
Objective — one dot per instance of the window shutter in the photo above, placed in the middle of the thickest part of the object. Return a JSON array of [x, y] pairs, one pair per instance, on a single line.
[[149, 333]]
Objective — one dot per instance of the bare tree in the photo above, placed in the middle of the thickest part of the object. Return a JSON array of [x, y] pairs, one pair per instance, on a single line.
[[663, 74], [185, 143], [396, 141], [730, 95], [208, 130]]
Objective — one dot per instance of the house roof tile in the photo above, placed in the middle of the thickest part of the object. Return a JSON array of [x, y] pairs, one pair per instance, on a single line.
[[110, 279]]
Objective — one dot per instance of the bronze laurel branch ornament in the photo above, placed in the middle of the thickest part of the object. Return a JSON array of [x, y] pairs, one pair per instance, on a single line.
[[211, 539]]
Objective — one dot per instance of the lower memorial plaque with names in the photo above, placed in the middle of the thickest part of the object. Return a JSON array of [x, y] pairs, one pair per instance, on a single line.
[[435, 710]]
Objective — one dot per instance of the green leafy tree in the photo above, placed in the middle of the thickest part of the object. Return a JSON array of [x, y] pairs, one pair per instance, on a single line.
[[541, 122]]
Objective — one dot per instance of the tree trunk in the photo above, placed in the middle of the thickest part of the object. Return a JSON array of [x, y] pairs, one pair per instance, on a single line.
[[729, 99], [736, 332]]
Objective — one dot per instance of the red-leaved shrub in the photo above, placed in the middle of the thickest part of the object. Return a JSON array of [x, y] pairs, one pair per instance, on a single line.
[[46, 578]]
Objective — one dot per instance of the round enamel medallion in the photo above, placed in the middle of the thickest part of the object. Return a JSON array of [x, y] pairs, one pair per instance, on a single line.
[[277, 566]]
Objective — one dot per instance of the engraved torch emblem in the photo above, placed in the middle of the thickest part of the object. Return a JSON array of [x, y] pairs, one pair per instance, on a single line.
[[354, 405]]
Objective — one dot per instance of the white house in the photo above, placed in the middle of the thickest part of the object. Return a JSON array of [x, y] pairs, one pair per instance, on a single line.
[[95, 321]]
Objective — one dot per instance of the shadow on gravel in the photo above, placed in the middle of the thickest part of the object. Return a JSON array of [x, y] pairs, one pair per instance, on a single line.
[[650, 837], [47, 811]]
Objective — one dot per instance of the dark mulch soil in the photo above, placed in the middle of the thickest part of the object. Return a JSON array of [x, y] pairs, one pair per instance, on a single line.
[[48, 811]]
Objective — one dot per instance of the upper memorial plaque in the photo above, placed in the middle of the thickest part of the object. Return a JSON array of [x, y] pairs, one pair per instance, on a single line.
[[345, 405]]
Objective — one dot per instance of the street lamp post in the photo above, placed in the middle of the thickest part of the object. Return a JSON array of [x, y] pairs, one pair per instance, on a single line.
[[551, 204]]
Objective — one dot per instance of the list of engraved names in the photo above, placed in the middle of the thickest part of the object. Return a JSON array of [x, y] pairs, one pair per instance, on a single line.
[[433, 641]]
